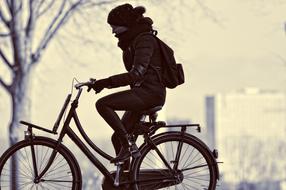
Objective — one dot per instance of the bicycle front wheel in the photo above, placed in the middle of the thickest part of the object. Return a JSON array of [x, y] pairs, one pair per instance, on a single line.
[[63, 174], [175, 163]]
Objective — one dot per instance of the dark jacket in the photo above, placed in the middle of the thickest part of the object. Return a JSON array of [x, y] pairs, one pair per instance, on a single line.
[[140, 60]]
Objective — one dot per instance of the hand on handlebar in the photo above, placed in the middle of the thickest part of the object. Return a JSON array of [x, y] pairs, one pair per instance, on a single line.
[[99, 85], [90, 84]]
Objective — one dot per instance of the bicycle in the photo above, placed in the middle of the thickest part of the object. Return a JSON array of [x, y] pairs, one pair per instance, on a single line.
[[169, 160]]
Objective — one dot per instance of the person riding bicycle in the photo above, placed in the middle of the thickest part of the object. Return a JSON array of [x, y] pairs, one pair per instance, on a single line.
[[140, 56]]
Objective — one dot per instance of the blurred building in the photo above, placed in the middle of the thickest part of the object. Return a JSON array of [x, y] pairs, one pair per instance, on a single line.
[[248, 127]]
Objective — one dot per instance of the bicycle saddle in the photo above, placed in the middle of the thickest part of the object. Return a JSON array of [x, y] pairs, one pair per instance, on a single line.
[[152, 110]]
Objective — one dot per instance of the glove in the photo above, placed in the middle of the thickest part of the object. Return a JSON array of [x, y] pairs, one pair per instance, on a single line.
[[99, 85]]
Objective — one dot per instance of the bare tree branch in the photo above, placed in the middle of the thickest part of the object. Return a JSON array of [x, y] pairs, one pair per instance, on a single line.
[[31, 19], [41, 12], [5, 60], [5, 35], [4, 85], [41, 3], [4, 20], [9, 5], [101, 3], [209, 13], [56, 18], [15, 9], [282, 59], [54, 27]]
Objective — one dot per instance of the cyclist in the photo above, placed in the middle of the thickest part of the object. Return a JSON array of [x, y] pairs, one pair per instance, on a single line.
[[140, 56]]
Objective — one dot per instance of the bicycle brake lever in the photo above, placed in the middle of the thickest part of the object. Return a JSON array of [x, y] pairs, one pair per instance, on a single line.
[[92, 80], [79, 85]]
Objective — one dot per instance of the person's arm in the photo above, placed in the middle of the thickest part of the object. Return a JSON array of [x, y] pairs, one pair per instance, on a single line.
[[143, 51]]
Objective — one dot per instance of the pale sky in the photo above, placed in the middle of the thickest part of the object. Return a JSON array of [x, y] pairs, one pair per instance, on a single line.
[[237, 46]]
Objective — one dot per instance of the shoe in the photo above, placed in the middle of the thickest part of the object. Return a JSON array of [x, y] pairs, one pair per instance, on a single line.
[[123, 155]]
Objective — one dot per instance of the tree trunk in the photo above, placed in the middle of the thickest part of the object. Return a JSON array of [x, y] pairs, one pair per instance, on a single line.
[[20, 101], [21, 71]]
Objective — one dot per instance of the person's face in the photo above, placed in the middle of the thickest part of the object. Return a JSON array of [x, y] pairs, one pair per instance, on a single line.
[[118, 29]]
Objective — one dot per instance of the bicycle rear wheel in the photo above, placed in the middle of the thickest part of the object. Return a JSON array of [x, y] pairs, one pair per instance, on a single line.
[[64, 172], [195, 168]]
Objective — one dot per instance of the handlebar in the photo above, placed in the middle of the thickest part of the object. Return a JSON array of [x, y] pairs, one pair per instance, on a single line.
[[79, 85], [88, 84]]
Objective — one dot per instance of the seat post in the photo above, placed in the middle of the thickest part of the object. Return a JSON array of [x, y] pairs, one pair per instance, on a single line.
[[143, 117], [153, 117]]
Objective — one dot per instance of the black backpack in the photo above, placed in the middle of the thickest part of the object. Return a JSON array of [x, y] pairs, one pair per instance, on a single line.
[[172, 73]]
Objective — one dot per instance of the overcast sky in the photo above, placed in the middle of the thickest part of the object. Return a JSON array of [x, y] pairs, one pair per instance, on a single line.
[[224, 45]]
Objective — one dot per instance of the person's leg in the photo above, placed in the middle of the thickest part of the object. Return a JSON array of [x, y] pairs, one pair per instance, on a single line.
[[129, 120], [125, 100], [116, 143]]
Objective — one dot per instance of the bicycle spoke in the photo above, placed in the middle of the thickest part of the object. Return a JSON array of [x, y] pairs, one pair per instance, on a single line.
[[192, 162], [190, 186], [25, 184], [173, 155], [182, 157], [44, 158], [29, 164], [57, 184], [54, 166], [188, 157], [205, 166], [23, 164]]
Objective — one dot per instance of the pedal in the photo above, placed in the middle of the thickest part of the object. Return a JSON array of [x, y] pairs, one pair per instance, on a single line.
[[134, 151], [117, 175]]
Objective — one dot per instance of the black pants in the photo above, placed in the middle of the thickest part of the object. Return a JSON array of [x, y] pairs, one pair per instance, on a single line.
[[133, 105], [125, 100]]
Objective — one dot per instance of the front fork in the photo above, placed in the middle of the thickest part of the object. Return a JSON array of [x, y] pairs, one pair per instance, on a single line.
[[30, 136]]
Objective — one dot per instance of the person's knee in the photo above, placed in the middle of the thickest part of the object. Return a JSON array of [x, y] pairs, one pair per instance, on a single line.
[[100, 104]]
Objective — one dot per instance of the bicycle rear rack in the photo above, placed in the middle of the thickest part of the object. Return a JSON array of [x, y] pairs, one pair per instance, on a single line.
[[197, 126], [162, 124]]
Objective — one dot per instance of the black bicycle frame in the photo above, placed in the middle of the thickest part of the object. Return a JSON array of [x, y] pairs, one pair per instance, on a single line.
[[66, 130]]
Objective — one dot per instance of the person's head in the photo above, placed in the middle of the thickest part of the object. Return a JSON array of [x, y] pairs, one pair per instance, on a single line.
[[123, 17]]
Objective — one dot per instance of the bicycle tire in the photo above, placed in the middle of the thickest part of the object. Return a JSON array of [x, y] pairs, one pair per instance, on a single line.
[[149, 171], [64, 173]]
